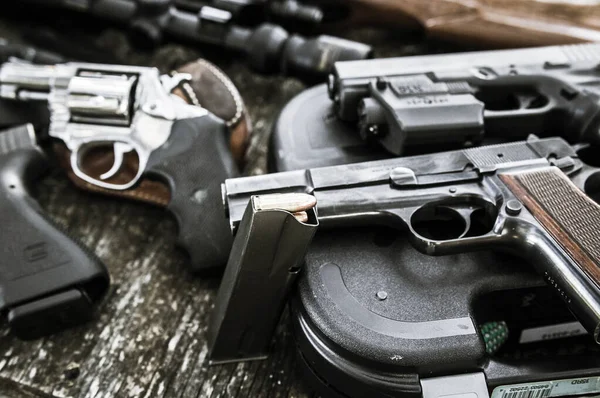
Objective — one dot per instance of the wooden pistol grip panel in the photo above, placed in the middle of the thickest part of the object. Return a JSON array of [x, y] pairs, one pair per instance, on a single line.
[[567, 214]]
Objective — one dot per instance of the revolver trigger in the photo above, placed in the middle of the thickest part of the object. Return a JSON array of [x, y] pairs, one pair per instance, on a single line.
[[120, 149]]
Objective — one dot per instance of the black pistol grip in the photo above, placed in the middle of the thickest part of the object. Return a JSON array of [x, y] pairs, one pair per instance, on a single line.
[[194, 161], [48, 280]]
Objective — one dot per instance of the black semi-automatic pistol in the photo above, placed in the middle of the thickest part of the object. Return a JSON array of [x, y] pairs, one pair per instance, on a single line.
[[457, 98], [48, 281]]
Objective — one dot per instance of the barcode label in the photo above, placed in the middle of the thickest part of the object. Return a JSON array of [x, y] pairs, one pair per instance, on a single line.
[[550, 389], [528, 394]]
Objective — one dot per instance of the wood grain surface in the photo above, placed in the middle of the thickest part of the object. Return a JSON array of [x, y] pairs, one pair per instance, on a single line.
[[496, 23], [148, 338]]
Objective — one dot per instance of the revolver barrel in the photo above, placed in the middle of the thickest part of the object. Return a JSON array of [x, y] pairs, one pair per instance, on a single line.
[[91, 95], [26, 82]]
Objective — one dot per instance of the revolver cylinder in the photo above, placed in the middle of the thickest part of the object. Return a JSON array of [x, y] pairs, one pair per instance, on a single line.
[[90, 96], [102, 99]]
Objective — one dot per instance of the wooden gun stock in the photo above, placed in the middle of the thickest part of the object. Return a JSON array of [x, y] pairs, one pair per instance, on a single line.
[[496, 23]]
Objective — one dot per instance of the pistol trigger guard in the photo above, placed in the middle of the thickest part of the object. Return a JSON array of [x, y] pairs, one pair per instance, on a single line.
[[120, 149]]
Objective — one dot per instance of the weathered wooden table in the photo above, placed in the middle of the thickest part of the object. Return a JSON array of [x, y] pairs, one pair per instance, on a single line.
[[148, 339]]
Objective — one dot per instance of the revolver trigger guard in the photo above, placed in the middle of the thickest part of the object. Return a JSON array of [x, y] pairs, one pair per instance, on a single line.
[[120, 149], [75, 165]]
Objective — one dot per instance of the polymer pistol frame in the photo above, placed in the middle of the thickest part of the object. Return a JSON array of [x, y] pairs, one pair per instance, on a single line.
[[459, 98]]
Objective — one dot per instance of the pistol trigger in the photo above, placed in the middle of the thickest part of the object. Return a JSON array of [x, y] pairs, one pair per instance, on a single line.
[[531, 101], [466, 214], [120, 149]]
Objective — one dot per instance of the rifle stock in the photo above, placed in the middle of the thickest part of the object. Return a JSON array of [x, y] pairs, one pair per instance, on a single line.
[[497, 23]]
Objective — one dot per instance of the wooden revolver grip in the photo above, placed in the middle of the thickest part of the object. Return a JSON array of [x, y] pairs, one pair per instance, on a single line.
[[565, 212]]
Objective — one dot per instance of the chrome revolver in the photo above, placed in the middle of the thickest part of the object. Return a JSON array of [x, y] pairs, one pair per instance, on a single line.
[[133, 110]]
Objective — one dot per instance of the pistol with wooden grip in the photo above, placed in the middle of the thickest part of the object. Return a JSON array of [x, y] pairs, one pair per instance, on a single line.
[[457, 99], [532, 198], [126, 132]]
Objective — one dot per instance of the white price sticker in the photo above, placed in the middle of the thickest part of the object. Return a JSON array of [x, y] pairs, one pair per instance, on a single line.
[[549, 389], [552, 332]]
